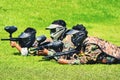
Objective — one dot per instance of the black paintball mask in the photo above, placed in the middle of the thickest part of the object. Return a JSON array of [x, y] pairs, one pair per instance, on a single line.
[[27, 37], [78, 38], [78, 33]]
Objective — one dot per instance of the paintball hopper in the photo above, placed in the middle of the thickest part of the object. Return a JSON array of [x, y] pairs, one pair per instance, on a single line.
[[10, 29], [41, 38]]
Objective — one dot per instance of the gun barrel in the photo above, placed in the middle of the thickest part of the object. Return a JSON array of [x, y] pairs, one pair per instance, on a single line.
[[5, 39], [71, 52], [11, 39]]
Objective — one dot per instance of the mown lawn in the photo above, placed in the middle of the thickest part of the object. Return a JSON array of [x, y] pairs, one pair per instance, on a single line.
[[101, 18]]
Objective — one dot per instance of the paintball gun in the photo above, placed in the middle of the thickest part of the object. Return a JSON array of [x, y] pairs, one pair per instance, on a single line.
[[68, 53], [10, 30], [56, 45]]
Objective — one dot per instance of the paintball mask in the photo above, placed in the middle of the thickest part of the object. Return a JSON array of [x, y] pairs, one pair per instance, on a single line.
[[78, 33], [57, 28], [27, 37], [78, 38]]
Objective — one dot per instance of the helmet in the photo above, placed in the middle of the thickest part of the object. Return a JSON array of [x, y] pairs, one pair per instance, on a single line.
[[27, 37], [78, 33], [57, 28]]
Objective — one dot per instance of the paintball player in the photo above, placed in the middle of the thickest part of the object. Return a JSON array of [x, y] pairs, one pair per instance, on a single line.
[[27, 40], [58, 32], [91, 50], [70, 43]]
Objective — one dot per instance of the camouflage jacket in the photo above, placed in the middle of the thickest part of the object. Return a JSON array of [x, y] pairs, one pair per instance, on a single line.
[[68, 45]]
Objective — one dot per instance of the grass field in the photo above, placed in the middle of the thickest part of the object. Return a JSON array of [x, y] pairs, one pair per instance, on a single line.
[[101, 18]]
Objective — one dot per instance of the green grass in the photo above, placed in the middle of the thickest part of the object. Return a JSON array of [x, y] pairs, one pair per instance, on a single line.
[[101, 18]]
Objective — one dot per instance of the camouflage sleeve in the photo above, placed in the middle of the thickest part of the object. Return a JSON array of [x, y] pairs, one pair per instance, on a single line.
[[81, 60], [90, 53], [51, 52], [75, 62]]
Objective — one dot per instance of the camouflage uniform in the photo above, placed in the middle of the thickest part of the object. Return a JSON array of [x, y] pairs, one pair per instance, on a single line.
[[95, 50]]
